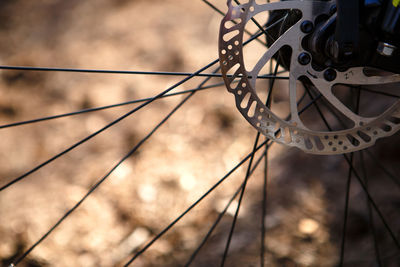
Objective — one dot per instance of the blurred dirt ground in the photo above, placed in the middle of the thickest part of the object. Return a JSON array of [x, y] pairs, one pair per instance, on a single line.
[[178, 164]]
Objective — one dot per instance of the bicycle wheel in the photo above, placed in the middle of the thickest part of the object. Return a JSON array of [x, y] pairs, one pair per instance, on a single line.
[[142, 175]]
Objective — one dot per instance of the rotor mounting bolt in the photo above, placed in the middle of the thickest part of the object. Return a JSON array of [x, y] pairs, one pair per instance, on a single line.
[[330, 75], [386, 49], [307, 26], [304, 58]]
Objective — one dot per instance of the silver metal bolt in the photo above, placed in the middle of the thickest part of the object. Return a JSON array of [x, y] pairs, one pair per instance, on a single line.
[[385, 49]]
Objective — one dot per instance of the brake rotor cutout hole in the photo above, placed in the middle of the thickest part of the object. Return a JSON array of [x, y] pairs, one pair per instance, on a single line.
[[320, 146], [394, 120], [308, 143], [353, 140], [364, 136], [233, 69], [245, 101], [385, 127], [230, 35], [231, 23], [252, 110]]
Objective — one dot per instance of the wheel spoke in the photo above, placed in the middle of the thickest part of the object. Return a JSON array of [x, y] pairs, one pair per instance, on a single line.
[[312, 102], [100, 71], [48, 69], [36, 168], [23, 176], [265, 175], [223, 14], [222, 213], [346, 210], [383, 168], [264, 209], [370, 214], [228, 242], [214, 7], [261, 28], [385, 223], [271, 84], [331, 110], [106, 107], [166, 229], [379, 93], [348, 185], [99, 182], [318, 109], [370, 199], [189, 75]]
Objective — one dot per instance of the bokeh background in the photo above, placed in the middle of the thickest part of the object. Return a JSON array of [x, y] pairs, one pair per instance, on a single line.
[[191, 152]]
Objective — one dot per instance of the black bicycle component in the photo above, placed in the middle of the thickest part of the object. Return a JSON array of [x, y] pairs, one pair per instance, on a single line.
[[391, 21], [391, 29], [304, 58], [346, 38], [353, 34], [307, 26], [330, 75]]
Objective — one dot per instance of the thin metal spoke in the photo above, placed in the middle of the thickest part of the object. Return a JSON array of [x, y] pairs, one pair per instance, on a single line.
[[319, 110], [23, 176], [36, 168], [99, 182], [239, 202], [264, 209], [47, 69], [383, 168], [106, 107], [271, 84], [222, 13], [190, 75], [268, 101], [261, 28], [379, 93], [265, 175], [121, 118], [370, 199], [348, 185], [370, 214], [214, 7], [312, 102], [259, 33], [101, 71], [333, 112], [346, 211], [93, 188], [223, 212], [166, 229]]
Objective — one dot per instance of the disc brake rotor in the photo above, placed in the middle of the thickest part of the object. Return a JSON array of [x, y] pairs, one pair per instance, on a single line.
[[241, 82]]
